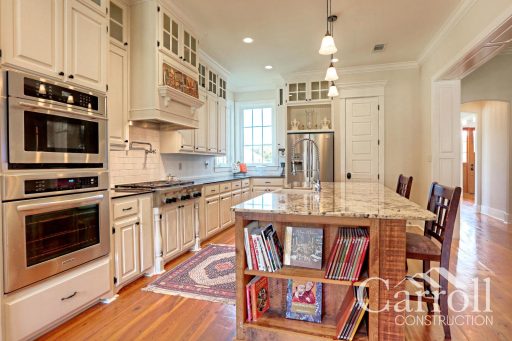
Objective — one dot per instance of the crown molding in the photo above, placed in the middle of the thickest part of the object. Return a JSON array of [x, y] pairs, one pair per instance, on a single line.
[[454, 18], [205, 58], [351, 70]]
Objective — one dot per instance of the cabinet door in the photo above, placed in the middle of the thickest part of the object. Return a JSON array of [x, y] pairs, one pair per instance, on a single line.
[[188, 220], [189, 49], [117, 104], [297, 92], [212, 218], [212, 124], [118, 24], [146, 233], [170, 35], [201, 134], [127, 250], [170, 232], [187, 140], [319, 90], [222, 126], [99, 6], [236, 199], [32, 35], [86, 46], [246, 195], [225, 210]]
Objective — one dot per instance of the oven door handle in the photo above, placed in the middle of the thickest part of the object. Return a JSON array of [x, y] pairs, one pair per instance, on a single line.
[[32, 207], [63, 111]]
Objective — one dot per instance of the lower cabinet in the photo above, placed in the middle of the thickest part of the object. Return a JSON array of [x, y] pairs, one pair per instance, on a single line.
[[265, 185], [236, 199], [133, 237], [29, 311], [246, 194], [226, 217], [178, 228], [212, 214]]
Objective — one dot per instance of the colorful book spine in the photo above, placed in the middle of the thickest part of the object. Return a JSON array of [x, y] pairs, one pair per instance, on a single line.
[[248, 255]]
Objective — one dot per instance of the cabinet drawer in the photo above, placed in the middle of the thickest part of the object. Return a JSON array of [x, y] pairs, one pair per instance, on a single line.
[[225, 187], [125, 208], [246, 183], [211, 189], [30, 310], [236, 185], [278, 182]]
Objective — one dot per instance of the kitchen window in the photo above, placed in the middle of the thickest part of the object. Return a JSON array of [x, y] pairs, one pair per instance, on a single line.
[[258, 135]]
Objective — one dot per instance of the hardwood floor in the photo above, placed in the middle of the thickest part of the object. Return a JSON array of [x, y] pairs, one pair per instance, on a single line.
[[484, 250]]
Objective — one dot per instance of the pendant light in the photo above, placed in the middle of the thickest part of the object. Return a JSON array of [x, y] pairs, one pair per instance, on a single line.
[[331, 74], [333, 90], [328, 46]]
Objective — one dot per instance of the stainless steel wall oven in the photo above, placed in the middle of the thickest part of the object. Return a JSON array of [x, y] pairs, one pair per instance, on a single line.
[[53, 222]]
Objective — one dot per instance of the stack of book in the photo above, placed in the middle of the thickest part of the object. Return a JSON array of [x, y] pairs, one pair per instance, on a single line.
[[263, 249], [351, 313], [258, 298], [348, 254]]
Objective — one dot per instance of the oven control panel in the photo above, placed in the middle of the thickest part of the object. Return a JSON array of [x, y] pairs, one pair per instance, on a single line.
[[57, 185]]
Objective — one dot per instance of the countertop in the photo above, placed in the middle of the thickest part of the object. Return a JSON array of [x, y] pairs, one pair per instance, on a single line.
[[339, 199], [114, 194]]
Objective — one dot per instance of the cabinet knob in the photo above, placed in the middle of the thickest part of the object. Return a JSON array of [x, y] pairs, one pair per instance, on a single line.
[[71, 76], [125, 43], [125, 141], [61, 73]]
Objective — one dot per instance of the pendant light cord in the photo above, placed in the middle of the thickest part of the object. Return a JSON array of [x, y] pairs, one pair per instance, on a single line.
[[327, 20]]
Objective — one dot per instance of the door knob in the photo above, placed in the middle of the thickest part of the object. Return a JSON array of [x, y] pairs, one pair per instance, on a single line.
[[472, 167], [349, 175]]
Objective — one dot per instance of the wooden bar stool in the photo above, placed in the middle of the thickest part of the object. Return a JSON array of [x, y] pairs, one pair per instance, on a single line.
[[403, 186], [444, 202]]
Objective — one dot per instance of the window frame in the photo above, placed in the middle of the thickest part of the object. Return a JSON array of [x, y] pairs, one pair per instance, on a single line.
[[239, 152]]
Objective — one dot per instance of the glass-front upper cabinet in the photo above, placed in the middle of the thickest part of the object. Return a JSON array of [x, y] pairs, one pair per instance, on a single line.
[[189, 48], [212, 82], [170, 35], [202, 75], [297, 92], [222, 88], [319, 90], [118, 24]]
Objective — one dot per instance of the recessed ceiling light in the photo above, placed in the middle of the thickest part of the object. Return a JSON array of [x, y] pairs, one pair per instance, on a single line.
[[247, 40], [335, 60], [268, 67]]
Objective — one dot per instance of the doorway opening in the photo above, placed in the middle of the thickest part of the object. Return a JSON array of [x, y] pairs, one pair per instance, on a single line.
[[468, 157]]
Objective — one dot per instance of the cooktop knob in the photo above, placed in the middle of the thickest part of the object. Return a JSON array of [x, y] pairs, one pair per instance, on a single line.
[[170, 200]]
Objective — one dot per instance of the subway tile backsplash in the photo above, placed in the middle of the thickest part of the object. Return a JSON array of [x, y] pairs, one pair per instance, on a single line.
[[133, 166]]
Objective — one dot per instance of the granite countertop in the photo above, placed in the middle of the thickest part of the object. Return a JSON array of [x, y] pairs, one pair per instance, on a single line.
[[232, 177], [114, 194], [339, 199]]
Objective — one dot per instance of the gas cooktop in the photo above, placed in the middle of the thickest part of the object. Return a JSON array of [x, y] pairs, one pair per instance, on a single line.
[[156, 184]]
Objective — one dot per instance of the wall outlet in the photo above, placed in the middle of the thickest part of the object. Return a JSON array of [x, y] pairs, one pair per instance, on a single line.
[[206, 164], [179, 166]]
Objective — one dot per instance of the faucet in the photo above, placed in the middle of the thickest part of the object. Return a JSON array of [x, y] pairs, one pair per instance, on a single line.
[[316, 182], [148, 151]]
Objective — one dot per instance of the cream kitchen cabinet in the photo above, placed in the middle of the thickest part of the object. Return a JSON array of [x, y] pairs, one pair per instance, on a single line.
[[201, 134], [222, 119], [178, 228], [236, 199], [117, 104], [226, 201], [213, 124], [187, 140], [177, 41], [100, 6], [307, 91], [133, 237], [212, 215], [86, 46], [56, 38], [266, 185]]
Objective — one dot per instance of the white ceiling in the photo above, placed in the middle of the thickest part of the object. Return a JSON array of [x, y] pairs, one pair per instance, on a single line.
[[287, 33]]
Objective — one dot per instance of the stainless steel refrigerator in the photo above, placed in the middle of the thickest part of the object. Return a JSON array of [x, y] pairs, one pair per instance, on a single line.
[[304, 156]]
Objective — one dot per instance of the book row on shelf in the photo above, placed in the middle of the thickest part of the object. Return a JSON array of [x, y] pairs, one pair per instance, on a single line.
[[348, 254], [351, 313], [263, 249]]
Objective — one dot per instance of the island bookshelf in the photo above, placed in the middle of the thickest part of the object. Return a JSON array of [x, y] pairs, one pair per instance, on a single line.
[[273, 324]]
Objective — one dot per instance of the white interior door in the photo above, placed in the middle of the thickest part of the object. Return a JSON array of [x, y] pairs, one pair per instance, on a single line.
[[362, 139]]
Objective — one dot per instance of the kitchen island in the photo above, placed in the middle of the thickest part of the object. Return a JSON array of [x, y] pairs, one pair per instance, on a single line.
[[365, 205]]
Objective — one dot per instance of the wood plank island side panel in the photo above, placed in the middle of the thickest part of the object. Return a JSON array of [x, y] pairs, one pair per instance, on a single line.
[[392, 259], [374, 286]]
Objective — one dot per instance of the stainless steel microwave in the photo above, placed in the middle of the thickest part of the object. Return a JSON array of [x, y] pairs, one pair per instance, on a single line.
[[53, 125]]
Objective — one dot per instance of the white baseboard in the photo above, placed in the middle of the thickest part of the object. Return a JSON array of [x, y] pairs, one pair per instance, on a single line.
[[495, 213], [478, 209]]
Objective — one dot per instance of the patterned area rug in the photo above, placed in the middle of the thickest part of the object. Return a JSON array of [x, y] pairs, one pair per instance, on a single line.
[[208, 275]]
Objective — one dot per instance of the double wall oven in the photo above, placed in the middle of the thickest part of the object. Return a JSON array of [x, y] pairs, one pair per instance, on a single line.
[[55, 197]]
